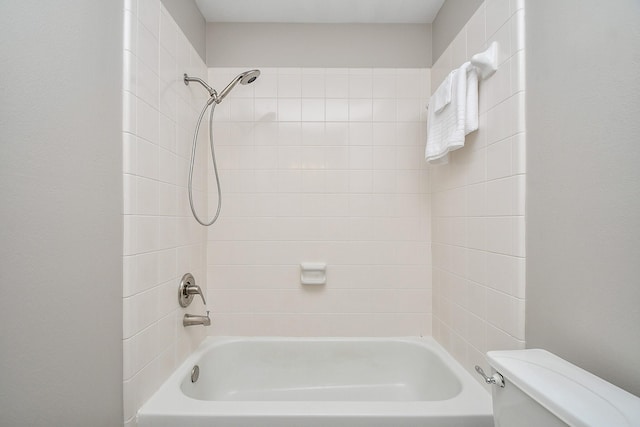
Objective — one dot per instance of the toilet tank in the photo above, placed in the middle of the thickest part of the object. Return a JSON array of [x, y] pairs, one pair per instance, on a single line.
[[542, 389]]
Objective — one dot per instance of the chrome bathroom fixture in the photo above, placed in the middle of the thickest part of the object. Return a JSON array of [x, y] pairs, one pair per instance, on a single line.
[[495, 379], [242, 78], [188, 289], [195, 373], [187, 79], [193, 320], [214, 99]]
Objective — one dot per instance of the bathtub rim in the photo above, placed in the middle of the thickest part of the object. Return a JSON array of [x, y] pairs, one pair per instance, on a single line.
[[170, 401]]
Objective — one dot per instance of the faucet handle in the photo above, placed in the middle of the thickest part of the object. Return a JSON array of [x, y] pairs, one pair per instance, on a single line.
[[188, 289], [195, 290]]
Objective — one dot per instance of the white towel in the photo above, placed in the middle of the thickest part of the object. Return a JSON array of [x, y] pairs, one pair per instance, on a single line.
[[471, 119], [442, 96], [447, 127]]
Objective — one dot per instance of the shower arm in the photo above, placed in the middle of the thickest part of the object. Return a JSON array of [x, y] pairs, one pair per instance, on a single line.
[[212, 91]]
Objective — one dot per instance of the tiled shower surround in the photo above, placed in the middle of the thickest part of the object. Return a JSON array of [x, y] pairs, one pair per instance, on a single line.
[[322, 165], [319, 165], [161, 239], [478, 200]]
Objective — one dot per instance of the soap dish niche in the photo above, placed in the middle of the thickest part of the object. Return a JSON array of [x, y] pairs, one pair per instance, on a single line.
[[313, 273]]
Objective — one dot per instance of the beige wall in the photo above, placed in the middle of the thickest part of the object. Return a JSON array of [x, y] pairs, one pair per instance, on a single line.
[[450, 19], [452, 16], [61, 204], [319, 45], [583, 185], [191, 22]]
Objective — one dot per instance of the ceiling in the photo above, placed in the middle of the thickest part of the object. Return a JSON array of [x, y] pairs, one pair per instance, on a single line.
[[321, 11]]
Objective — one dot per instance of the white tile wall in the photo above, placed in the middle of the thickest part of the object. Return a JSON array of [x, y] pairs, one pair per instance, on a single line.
[[161, 240], [322, 165], [478, 200]]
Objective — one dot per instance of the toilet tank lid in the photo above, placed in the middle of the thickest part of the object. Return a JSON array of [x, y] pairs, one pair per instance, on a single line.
[[574, 395]]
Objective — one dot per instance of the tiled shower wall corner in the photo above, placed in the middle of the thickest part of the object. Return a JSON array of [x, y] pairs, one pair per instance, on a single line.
[[478, 199], [161, 239], [322, 165]]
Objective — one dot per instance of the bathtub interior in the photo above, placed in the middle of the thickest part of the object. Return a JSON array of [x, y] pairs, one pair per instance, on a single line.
[[321, 370], [319, 382]]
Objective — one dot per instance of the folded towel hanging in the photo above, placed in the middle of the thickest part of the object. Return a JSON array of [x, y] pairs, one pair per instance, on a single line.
[[471, 107], [447, 127], [442, 96]]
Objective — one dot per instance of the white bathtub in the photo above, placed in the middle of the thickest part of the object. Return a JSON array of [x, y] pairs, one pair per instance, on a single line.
[[312, 382]]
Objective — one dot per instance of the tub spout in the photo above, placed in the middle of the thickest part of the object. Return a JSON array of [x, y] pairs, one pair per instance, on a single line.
[[192, 320]]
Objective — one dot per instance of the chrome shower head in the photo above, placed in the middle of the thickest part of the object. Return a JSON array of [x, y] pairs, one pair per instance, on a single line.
[[249, 76], [243, 78]]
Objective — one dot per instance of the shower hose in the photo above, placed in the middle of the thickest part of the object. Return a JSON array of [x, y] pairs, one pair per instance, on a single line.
[[213, 158]]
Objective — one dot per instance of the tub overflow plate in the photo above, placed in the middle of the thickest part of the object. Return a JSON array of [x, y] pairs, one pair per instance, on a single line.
[[195, 373]]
